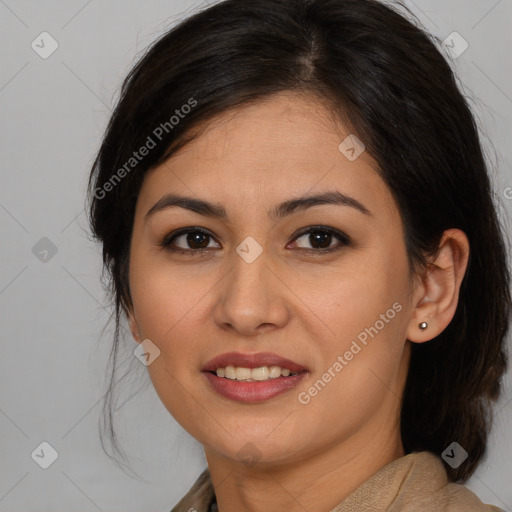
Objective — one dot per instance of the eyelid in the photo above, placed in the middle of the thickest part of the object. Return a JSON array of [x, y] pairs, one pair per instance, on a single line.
[[342, 237], [169, 238]]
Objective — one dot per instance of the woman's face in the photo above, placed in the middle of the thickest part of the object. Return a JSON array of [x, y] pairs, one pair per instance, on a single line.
[[257, 282]]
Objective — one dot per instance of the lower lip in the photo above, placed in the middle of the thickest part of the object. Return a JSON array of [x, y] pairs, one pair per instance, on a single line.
[[253, 392]]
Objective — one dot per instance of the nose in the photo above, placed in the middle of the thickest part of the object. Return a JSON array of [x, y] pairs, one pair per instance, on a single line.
[[252, 298]]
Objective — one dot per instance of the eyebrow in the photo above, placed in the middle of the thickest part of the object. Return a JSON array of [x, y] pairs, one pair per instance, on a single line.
[[281, 210]]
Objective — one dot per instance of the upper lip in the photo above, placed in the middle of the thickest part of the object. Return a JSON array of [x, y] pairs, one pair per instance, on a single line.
[[251, 361]]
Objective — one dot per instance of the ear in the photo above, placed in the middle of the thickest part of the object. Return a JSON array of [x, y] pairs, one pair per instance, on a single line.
[[133, 326], [437, 294]]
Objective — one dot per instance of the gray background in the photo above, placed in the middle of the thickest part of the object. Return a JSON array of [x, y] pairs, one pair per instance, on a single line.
[[54, 111]]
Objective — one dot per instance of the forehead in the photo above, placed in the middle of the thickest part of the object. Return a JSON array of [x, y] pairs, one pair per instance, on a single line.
[[288, 121], [285, 145]]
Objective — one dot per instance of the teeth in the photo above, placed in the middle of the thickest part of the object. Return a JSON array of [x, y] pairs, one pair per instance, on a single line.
[[260, 373], [243, 373], [273, 372], [230, 372], [253, 374]]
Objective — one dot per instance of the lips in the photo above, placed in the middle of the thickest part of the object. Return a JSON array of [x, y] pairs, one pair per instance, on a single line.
[[252, 361], [250, 391]]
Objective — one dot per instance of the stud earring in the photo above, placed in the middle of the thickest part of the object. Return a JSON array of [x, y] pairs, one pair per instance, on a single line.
[[423, 326]]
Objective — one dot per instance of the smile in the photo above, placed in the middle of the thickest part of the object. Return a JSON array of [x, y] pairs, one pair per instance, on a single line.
[[253, 374], [252, 378]]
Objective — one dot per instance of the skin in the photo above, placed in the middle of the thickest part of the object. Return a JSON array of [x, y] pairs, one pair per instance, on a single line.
[[303, 306]]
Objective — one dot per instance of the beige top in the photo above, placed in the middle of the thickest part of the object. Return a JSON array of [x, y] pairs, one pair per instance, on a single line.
[[414, 483]]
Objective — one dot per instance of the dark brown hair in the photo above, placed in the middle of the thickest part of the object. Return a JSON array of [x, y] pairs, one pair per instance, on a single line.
[[384, 75]]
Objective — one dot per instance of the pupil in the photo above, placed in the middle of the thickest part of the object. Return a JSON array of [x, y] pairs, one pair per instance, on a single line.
[[192, 238], [321, 237]]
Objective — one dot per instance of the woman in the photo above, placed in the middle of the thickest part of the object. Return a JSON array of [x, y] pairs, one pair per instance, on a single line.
[[296, 216]]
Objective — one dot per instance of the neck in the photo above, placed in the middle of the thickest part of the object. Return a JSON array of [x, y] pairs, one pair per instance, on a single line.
[[318, 481]]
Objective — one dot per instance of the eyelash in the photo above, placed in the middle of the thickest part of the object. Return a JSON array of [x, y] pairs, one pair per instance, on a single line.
[[342, 238]]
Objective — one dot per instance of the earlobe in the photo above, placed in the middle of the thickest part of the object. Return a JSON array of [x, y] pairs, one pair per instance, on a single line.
[[437, 293]]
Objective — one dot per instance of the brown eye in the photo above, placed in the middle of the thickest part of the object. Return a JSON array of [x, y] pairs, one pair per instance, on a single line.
[[188, 240], [195, 240], [321, 239]]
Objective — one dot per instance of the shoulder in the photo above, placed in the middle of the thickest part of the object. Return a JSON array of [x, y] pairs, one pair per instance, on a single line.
[[453, 498], [448, 497]]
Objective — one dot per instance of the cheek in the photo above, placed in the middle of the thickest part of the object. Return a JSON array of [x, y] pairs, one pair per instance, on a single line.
[[166, 308], [353, 295], [166, 312], [163, 297], [363, 307], [360, 365]]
